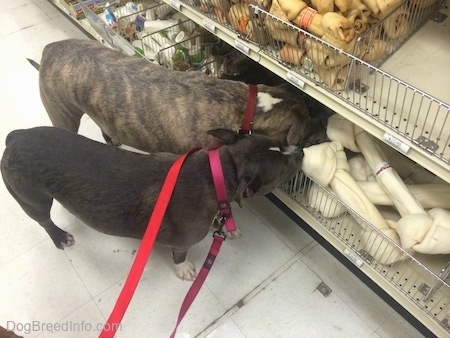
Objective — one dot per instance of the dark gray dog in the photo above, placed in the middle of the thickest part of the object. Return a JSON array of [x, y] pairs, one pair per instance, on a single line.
[[114, 190], [151, 108]]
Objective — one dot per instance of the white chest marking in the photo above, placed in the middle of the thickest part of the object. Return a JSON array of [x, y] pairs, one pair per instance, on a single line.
[[266, 102]]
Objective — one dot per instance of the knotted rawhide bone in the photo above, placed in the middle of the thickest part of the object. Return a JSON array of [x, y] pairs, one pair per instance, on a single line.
[[324, 56], [373, 50], [326, 163], [360, 22], [279, 30], [337, 77], [396, 24], [292, 54], [239, 16], [418, 230], [422, 3], [306, 17]]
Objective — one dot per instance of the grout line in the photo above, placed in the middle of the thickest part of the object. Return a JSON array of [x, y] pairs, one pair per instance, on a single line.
[[252, 294]]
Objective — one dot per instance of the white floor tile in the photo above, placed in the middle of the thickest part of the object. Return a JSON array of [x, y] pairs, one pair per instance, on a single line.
[[154, 308], [85, 322], [246, 262], [346, 286], [21, 17], [292, 305], [226, 329], [396, 326], [40, 285], [284, 228]]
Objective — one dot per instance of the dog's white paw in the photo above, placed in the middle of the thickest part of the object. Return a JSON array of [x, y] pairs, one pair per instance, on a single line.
[[69, 241], [185, 270], [233, 234]]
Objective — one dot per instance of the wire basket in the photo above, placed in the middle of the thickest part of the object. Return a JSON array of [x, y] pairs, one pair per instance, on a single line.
[[156, 32], [421, 278]]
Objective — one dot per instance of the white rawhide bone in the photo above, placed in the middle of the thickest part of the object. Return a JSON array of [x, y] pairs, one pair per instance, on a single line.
[[430, 195], [326, 163], [418, 230], [321, 199], [358, 140]]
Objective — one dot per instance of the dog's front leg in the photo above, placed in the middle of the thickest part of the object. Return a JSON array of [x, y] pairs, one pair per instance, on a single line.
[[184, 269]]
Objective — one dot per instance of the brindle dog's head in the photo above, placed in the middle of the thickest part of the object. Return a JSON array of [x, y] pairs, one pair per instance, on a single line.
[[261, 163]]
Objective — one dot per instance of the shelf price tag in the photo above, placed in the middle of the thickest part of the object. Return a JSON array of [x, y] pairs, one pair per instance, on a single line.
[[295, 80], [209, 26], [241, 46], [396, 143], [353, 258], [175, 4]]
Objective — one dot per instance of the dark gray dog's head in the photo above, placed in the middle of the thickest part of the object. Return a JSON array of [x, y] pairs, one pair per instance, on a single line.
[[261, 163]]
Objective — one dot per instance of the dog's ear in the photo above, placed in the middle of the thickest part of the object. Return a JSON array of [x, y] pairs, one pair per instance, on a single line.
[[297, 131], [225, 135], [249, 184]]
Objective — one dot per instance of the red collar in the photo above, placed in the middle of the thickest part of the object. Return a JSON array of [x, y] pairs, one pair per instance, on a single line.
[[250, 108], [221, 191]]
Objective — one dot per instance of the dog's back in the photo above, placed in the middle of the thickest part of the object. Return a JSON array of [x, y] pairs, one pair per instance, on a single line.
[[42, 163], [134, 101], [151, 108]]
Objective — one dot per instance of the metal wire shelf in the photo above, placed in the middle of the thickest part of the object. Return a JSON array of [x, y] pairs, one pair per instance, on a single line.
[[404, 109], [421, 279]]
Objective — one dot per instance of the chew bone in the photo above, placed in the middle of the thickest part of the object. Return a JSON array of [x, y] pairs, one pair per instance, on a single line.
[[326, 163], [418, 230]]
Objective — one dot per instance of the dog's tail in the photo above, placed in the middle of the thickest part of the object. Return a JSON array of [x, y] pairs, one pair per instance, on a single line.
[[34, 64]]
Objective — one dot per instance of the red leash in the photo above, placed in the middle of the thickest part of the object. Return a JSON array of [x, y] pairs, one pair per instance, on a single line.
[[250, 108], [148, 240], [110, 328]]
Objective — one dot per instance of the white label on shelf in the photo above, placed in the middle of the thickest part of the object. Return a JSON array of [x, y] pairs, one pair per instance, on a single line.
[[295, 80], [353, 257], [396, 143], [175, 4], [209, 26], [241, 46]]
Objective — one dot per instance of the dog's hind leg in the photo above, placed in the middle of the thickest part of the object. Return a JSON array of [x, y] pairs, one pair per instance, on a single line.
[[184, 269], [37, 206], [68, 120]]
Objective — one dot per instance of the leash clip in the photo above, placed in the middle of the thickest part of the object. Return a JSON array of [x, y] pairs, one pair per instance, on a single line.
[[219, 233]]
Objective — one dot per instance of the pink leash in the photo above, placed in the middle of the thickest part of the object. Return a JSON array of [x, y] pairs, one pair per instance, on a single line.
[[227, 219], [151, 232]]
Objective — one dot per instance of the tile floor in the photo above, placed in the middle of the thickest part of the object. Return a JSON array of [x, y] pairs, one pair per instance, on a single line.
[[263, 284]]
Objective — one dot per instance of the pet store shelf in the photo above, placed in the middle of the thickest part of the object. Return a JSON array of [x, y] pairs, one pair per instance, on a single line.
[[417, 284], [431, 149], [388, 104]]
